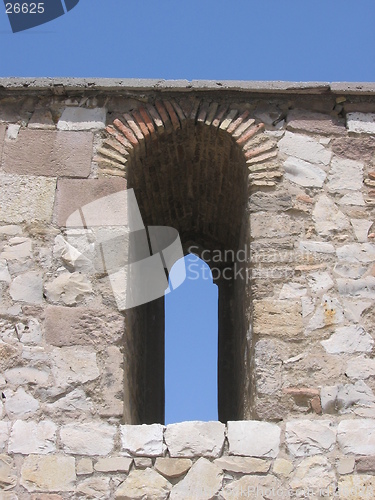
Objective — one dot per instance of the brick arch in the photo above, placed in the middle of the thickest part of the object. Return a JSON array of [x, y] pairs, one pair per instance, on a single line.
[[137, 131]]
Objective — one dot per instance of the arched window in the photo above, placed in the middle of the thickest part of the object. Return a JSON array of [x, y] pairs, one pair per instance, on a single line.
[[191, 345]]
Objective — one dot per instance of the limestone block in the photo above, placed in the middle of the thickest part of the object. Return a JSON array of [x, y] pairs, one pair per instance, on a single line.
[[319, 282], [113, 464], [274, 202], [292, 291], [112, 383], [26, 198], [71, 257], [77, 118], [360, 368], [142, 439], [69, 288], [349, 339], [314, 474], [353, 269], [356, 487], [49, 153], [141, 484], [361, 123], [95, 487], [8, 479], [278, 317], [32, 437], [316, 246], [4, 272], [328, 312], [84, 466], [282, 467], [253, 438], [27, 287], [346, 465], [75, 364], [48, 473], [304, 173], [203, 481], [316, 123], [142, 462], [75, 400], [91, 438], [354, 394], [305, 148], [20, 404], [26, 375], [345, 174], [172, 467], [245, 465], [268, 364], [357, 252], [364, 287], [277, 226], [361, 228], [310, 437], [354, 198], [357, 436], [364, 464], [189, 439], [10, 230], [254, 487], [4, 434], [328, 218], [66, 326], [29, 333], [18, 249], [41, 119]]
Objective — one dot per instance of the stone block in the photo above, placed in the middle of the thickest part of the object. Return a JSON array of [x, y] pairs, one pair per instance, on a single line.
[[48, 473], [364, 464], [26, 198], [41, 119], [361, 123], [23, 375], [20, 404], [189, 439], [314, 474], [278, 318], [355, 148], [254, 487], [357, 252], [356, 487], [310, 437], [254, 438], [68, 288], [203, 481], [244, 465], [172, 467], [143, 440], [67, 326], [301, 120], [27, 287], [32, 437], [282, 467], [357, 436], [304, 173], [84, 466], [305, 148], [49, 153], [4, 434], [91, 438], [3, 128], [75, 364], [142, 462], [73, 194], [277, 226], [316, 246], [8, 479], [142, 484], [328, 218], [77, 118], [95, 487], [345, 174], [360, 368], [113, 464], [348, 339], [346, 465]]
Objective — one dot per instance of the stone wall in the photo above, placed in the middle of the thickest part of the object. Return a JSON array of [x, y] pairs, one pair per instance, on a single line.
[[297, 164]]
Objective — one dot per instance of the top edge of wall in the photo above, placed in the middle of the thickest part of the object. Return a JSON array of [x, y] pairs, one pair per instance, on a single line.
[[67, 85]]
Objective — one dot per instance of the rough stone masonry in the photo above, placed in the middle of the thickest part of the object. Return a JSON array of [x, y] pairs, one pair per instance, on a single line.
[[283, 171]]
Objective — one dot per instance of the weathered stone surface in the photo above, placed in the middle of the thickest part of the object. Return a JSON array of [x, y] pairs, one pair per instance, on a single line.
[[3, 128], [142, 484], [75, 364], [69, 288], [357, 252], [113, 464], [355, 198], [95, 487], [142, 439], [364, 464], [27, 287], [345, 174], [4, 433], [278, 226], [262, 487], [71, 257], [27, 375], [48, 473], [49, 153], [310, 437], [328, 218], [172, 467], [245, 465], [84, 466], [349, 269], [292, 291], [142, 462], [8, 479], [282, 467], [20, 404], [4, 272], [319, 282], [77, 118], [112, 382], [364, 287], [355, 148], [189, 439], [349, 339], [268, 364], [261, 201], [66, 326], [73, 194], [328, 312], [304, 147], [361, 228], [41, 119], [18, 249], [357, 436], [91, 438], [304, 173], [273, 317], [30, 333], [316, 246], [345, 465], [356, 487], [316, 475], [315, 123], [361, 123], [75, 400], [253, 438], [32, 437], [203, 481], [360, 368]]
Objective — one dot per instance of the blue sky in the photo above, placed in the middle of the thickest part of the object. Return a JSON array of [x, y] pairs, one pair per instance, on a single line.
[[295, 40]]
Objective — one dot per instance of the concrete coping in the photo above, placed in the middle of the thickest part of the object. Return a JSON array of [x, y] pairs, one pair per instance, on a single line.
[[67, 85]]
